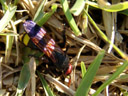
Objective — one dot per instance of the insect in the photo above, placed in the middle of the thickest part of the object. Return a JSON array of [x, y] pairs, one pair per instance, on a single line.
[[47, 45]]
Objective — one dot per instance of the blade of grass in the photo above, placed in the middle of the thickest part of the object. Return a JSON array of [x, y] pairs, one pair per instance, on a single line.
[[78, 7], [7, 17], [125, 76], [9, 43], [23, 80], [45, 85], [15, 2], [70, 18], [4, 5], [9, 34], [83, 69], [110, 8], [32, 68], [113, 77], [85, 19], [47, 15], [60, 85], [39, 12], [125, 12], [88, 77], [122, 54]]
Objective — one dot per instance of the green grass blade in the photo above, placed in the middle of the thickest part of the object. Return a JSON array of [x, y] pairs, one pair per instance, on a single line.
[[88, 77], [15, 2], [113, 77], [78, 7], [4, 5], [39, 12], [45, 85], [70, 18], [46, 16], [23, 80], [125, 12], [83, 69], [110, 8], [7, 17]]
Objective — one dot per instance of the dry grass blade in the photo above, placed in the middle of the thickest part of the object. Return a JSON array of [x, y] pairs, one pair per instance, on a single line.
[[60, 85], [1, 58], [9, 43], [75, 64], [17, 44], [32, 67], [20, 20]]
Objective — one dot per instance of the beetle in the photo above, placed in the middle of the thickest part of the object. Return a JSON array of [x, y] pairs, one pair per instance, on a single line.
[[46, 44]]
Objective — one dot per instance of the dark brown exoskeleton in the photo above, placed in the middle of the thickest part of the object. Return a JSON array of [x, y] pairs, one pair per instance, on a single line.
[[47, 45]]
